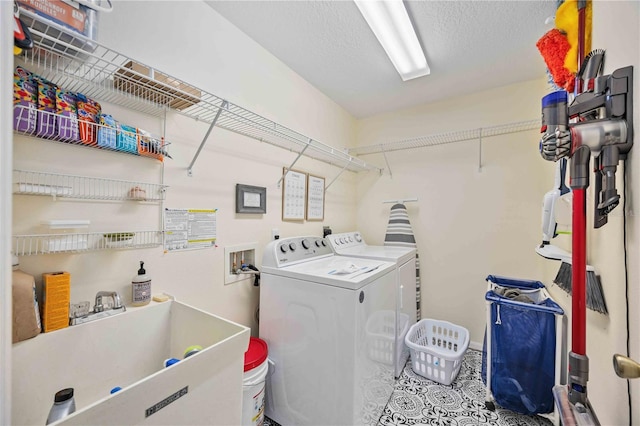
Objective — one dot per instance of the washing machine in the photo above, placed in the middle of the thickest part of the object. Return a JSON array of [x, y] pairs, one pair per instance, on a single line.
[[319, 316], [352, 244]]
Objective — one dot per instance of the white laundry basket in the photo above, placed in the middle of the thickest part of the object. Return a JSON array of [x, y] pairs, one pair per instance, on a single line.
[[437, 349], [382, 330]]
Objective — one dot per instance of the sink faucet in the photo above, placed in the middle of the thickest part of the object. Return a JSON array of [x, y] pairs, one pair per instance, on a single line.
[[99, 307]]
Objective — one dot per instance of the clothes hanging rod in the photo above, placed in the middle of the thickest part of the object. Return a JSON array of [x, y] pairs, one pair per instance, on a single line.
[[447, 137], [401, 201]]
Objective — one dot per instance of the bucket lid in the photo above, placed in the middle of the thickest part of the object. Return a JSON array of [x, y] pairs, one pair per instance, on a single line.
[[256, 354]]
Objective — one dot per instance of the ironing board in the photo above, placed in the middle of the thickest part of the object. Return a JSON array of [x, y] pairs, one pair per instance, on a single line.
[[399, 233]]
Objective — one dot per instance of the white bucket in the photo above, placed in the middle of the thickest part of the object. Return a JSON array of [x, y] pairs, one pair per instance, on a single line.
[[253, 385]]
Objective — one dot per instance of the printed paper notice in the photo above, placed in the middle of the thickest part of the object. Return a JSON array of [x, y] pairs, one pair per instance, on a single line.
[[187, 229]]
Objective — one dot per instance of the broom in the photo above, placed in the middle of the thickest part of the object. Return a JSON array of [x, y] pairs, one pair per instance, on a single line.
[[595, 294]]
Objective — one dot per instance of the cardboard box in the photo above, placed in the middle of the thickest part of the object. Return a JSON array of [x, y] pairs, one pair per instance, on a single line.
[[66, 23], [56, 298], [155, 86], [71, 17]]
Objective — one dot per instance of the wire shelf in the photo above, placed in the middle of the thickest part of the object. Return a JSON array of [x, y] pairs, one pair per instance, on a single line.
[[45, 125], [28, 245], [101, 73], [28, 182], [448, 137]]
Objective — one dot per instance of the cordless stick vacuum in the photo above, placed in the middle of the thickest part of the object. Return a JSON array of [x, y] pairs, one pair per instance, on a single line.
[[604, 129]]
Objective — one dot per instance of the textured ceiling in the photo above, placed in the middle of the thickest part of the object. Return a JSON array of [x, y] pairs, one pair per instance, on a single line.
[[469, 45]]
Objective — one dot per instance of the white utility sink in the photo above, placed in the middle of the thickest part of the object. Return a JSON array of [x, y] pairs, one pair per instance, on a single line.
[[128, 350]]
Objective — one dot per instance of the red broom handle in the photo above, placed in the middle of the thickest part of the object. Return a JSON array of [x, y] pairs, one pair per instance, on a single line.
[[578, 273]]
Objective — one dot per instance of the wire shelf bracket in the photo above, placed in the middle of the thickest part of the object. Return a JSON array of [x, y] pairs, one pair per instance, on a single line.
[[336, 177], [386, 160], [225, 104], [480, 152], [293, 163]]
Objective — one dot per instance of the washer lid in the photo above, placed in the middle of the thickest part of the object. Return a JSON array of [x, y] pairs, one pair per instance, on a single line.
[[339, 271], [389, 253], [256, 354]]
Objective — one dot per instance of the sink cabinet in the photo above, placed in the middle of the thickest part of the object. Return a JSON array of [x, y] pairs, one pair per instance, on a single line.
[[128, 350]]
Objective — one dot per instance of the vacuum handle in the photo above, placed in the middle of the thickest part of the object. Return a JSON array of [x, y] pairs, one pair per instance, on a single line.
[[599, 218], [564, 189]]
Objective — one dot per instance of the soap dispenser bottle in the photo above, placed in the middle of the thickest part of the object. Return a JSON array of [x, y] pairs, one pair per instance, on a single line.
[[141, 287], [63, 405]]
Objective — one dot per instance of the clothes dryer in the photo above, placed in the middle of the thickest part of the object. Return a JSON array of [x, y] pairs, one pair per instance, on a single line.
[[317, 315], [352, 244]]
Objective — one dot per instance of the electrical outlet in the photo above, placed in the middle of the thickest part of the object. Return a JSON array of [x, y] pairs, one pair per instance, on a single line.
[[275, 234], [234, 258]]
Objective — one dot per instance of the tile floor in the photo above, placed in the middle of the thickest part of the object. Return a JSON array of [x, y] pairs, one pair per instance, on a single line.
[[420, 401]]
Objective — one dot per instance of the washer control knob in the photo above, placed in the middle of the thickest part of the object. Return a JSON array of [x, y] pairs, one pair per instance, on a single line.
[[318, 243], [350, 239], [305, 244], [358, 238], [284, 248], [324, 243], [293, 246]]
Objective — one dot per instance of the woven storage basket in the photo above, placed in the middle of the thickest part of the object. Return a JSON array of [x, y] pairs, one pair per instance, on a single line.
[[437, 349]]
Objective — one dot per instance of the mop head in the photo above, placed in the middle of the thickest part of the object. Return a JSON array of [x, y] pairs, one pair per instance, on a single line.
[[553, 47], [559, 47]]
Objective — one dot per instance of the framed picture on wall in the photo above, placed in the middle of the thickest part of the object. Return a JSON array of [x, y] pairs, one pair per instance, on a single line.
[[315, 197], [251, 199], [294, 194]]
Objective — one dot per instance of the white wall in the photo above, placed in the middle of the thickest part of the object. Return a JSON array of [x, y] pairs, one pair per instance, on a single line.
[[190, 41], [469, 224], [470, 220]]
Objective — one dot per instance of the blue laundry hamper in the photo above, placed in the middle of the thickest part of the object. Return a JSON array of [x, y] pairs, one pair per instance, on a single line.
[[522, 353]]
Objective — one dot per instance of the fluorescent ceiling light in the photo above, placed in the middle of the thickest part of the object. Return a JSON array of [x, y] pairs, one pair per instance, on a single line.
[[390, 23]]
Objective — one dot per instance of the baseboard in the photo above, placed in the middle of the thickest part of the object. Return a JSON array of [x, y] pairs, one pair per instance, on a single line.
[[475, 345]]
